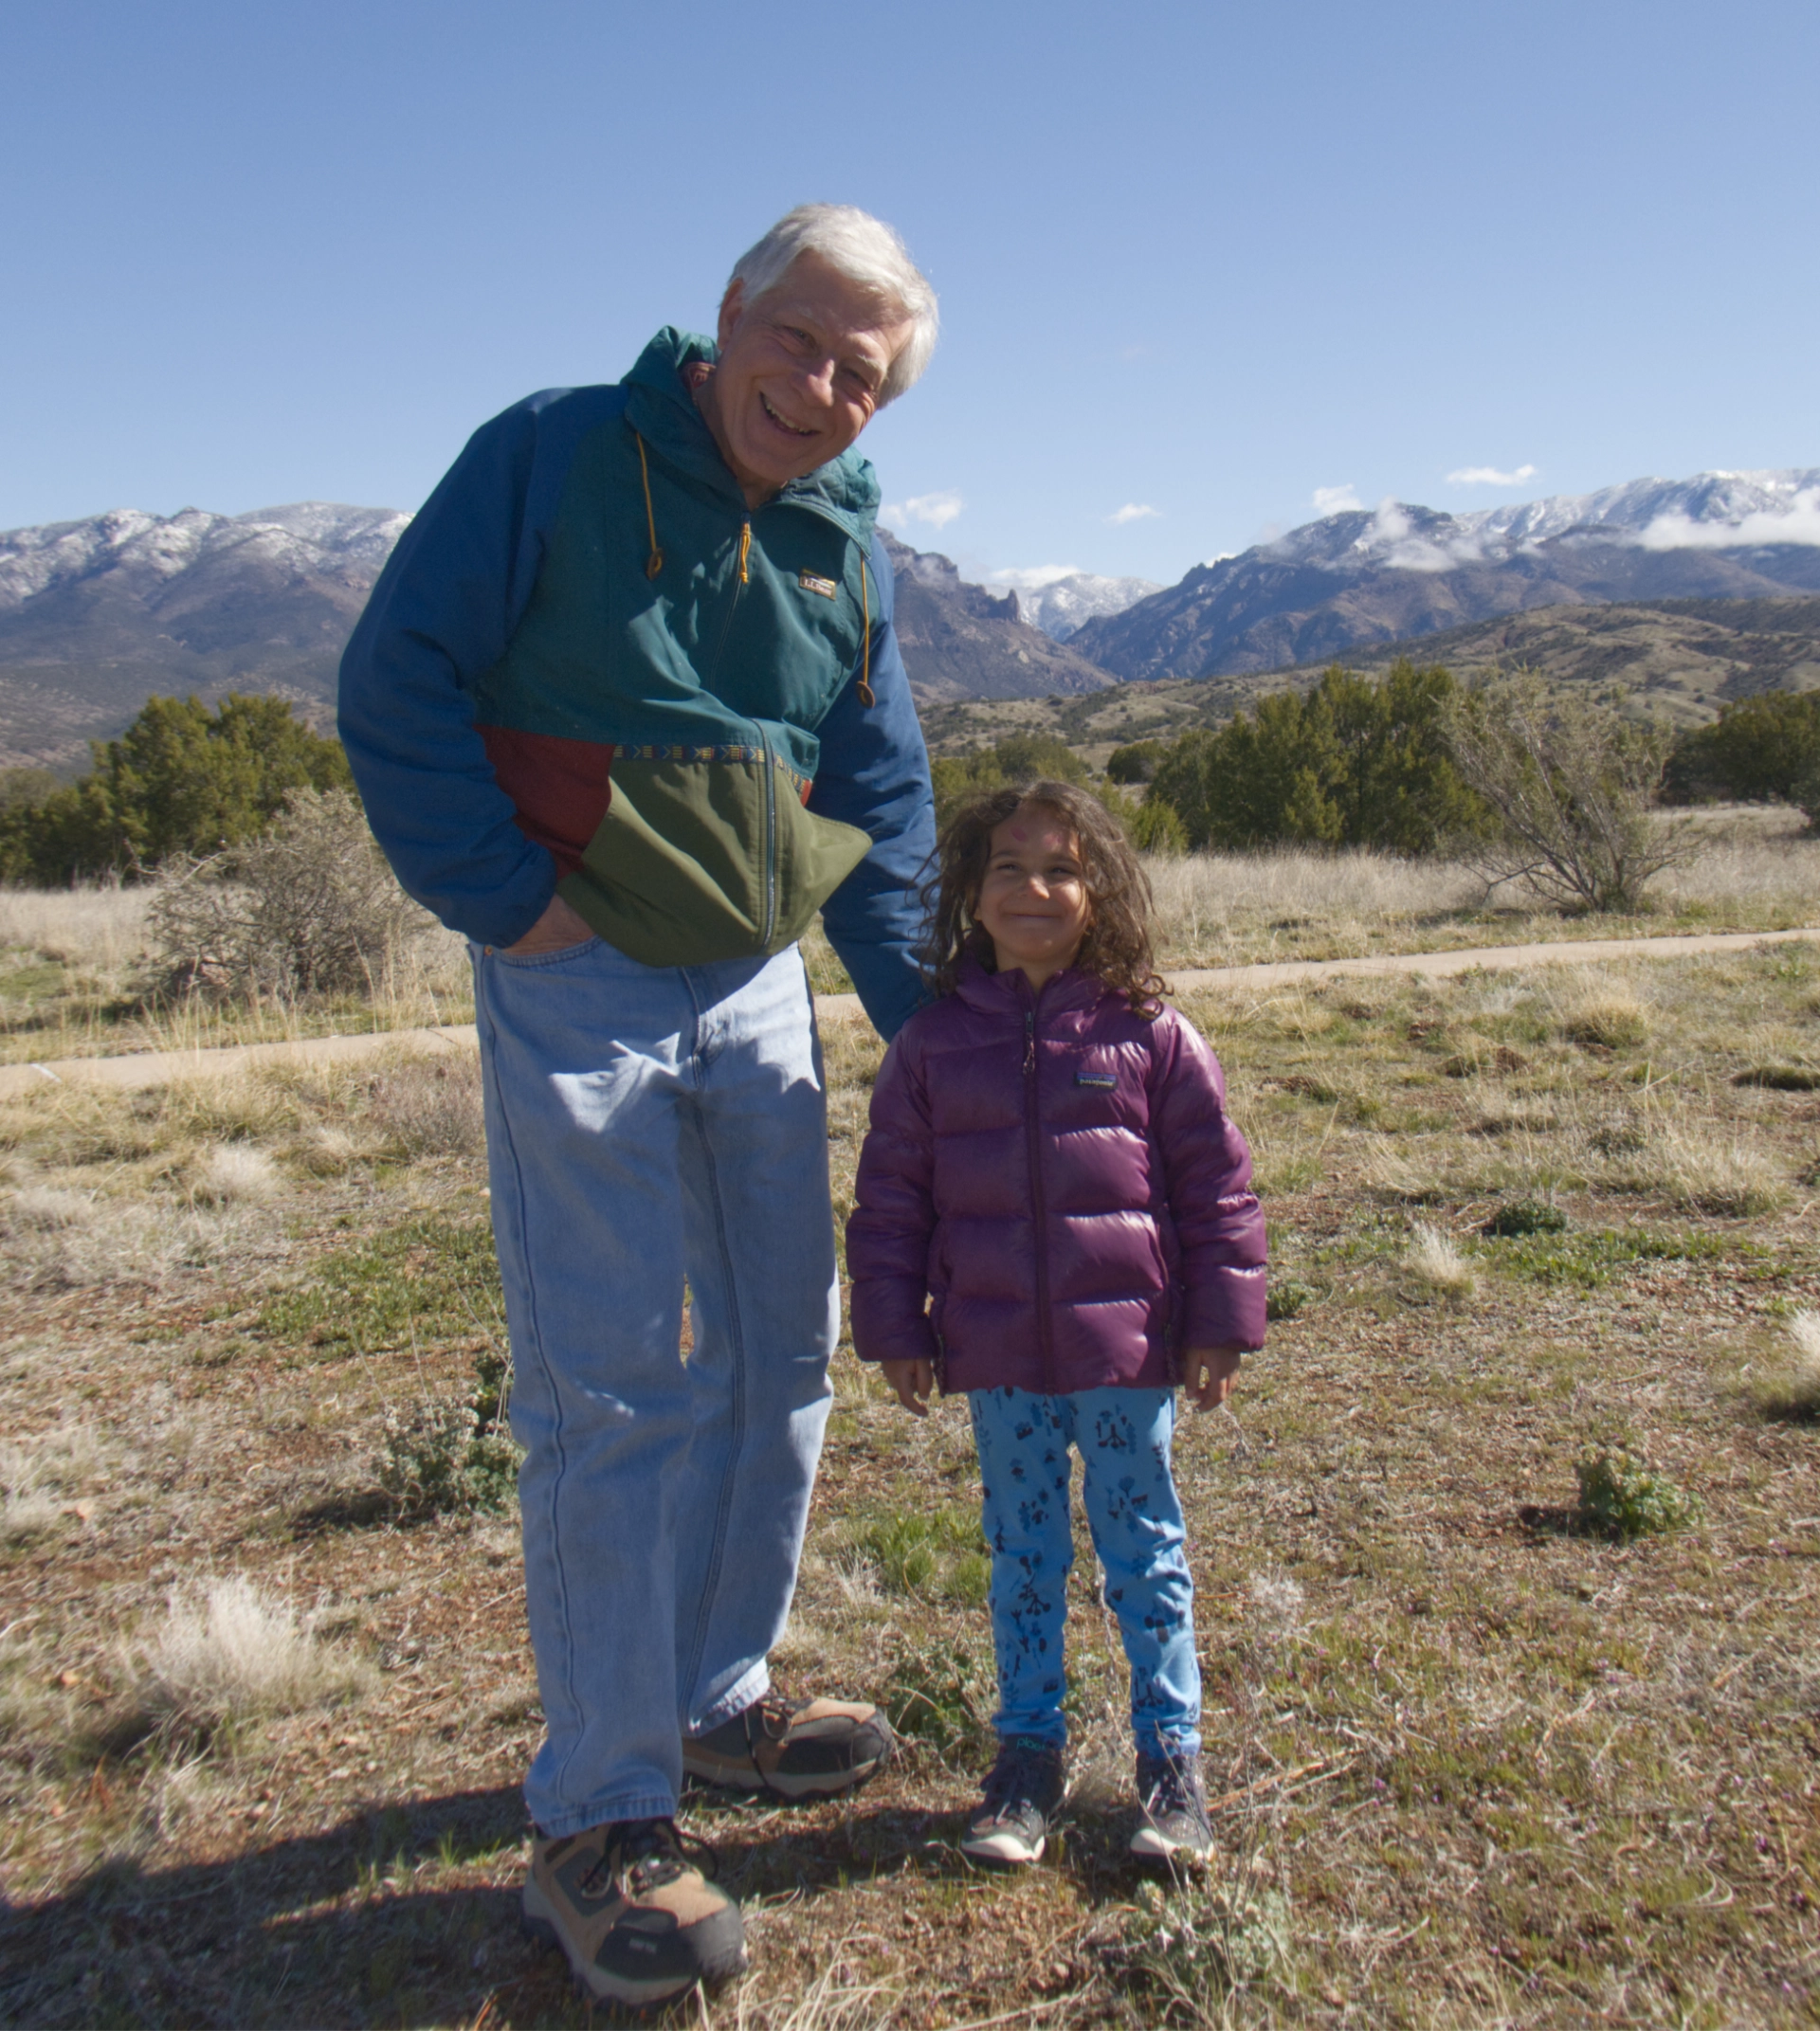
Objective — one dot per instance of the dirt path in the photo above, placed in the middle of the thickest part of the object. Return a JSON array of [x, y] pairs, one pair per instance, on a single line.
[[157, 1068]]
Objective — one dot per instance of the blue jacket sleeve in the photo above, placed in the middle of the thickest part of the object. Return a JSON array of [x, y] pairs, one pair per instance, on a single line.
[[874, 773], [440, 616]]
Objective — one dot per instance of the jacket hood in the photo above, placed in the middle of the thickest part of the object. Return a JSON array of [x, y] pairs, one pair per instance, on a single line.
[[662, 409]]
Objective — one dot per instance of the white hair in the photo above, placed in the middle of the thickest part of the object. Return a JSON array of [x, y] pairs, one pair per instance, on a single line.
[[866, 251]]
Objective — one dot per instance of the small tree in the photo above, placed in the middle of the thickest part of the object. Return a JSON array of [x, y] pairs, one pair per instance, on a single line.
[[1135, 762], [1355, 763], [181, 780], [1765, 748], [1571, 780], [1017, 758]]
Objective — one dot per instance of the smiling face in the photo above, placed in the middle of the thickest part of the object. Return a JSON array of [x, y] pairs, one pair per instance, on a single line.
[[1033, 900], [800, 373]]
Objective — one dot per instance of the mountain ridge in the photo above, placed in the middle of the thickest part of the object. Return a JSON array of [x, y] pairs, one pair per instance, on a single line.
[[1364, 577]]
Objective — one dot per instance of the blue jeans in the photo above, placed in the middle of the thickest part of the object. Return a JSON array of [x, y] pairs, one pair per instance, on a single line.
[[647, 1125], [1124, 1438]]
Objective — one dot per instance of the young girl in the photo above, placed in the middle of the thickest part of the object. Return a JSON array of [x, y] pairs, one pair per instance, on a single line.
[[1055, 1216]]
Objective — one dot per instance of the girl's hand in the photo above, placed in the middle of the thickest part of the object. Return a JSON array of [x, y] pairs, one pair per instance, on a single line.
[[1208, 1374], [913, 1380]]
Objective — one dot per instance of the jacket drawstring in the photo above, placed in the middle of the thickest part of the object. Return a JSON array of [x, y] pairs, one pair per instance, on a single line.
[[654, 563], [745, 550]]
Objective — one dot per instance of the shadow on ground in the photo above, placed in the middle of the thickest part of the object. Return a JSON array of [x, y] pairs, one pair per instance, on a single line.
[[330, 1928]]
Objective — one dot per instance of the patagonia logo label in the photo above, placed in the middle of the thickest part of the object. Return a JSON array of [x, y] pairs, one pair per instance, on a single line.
[[1099, 1082], [809, 583]]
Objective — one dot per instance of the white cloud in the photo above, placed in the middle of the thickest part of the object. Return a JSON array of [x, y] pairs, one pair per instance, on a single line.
[[1394, 535], [1032, 578], [1490, 476], [1133, 511], [1337, 501], [1800, 524], [938, 510]]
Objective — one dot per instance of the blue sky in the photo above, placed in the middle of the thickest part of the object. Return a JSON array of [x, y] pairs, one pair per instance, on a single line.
[[1196, 262]]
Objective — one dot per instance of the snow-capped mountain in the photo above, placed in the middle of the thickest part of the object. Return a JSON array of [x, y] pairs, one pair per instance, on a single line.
[[1060, 602], [96, 615], [1367, 577], [310, 537]]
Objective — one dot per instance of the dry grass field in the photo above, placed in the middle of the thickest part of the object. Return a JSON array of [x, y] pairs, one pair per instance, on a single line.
[[76, 980], [1507, 1558]]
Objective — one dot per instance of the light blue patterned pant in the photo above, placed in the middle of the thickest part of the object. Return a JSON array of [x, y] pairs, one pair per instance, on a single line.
[[1124, 1438]]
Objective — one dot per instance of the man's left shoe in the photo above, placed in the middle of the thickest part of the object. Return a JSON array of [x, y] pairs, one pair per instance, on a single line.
[[791, 1749], [1174, 1809]]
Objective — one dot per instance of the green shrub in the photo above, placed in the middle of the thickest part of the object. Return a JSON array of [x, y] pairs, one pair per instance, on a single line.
[[1525, 1216], [1622, 1495], [1761, 749], [1155, 828], [944, 1698], [1286, 1298], [1137, 762], [1355, 763], [182, 779], [452, 1456], [1017, 758]]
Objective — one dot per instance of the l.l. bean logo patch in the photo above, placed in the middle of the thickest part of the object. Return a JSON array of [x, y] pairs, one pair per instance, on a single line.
[[809, 583]]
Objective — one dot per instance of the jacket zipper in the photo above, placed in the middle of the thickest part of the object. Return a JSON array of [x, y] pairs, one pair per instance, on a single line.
[[1039, 1211], [733, 605], [771, 839]]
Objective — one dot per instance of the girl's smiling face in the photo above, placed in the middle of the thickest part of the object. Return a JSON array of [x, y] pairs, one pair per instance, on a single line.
[[1033, 902]]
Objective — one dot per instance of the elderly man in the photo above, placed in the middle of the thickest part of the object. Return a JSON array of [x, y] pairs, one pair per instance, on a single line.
[[627, 708]]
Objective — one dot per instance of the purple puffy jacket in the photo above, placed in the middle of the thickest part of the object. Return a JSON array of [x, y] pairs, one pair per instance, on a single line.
[[1058, 1176]]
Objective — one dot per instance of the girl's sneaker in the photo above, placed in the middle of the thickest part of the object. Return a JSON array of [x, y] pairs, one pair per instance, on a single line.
[[1174, 1806], [1023, 1796]]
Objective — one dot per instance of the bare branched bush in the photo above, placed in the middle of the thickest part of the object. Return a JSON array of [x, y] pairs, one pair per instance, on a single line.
[[309, 907], [1571, 780]]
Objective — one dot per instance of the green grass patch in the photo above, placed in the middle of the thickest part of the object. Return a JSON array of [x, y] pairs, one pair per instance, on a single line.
[[929, 1555], [1592, 1258], [427, 1282]]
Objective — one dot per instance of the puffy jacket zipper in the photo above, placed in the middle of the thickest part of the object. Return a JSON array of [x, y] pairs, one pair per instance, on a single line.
[[1034, 1141]]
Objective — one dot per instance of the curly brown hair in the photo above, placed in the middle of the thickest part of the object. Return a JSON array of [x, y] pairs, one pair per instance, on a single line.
[[1117, 946]]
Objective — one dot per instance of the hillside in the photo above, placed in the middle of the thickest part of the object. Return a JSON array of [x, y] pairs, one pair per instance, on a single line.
[[1685, 656], [959, 641], [96, 616], [1362, 580]]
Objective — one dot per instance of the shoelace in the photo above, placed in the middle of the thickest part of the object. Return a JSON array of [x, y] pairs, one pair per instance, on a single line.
[[648, 1854]]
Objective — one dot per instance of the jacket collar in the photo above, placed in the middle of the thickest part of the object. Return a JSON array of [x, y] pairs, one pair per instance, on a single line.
[[1003, 994], [662, 409]]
